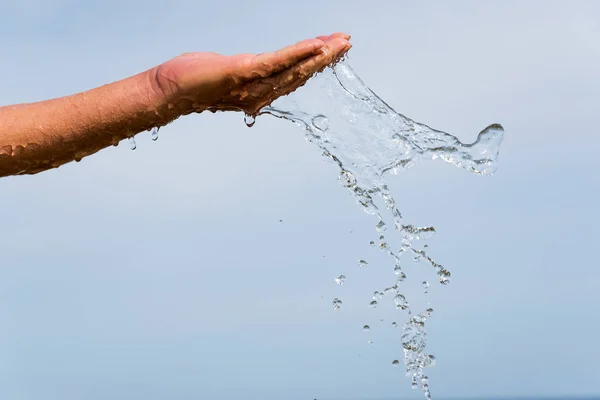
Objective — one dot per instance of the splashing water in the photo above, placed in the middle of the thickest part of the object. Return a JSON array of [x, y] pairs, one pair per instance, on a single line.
[[368, 140]]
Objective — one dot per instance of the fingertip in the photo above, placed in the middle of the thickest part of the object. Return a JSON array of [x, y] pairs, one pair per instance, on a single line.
[[340, 35]]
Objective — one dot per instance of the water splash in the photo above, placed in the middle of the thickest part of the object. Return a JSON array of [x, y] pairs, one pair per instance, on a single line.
[[368, 140]]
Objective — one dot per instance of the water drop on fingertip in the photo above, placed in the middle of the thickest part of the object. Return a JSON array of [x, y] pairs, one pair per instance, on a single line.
[[155, 133], [249, 120]]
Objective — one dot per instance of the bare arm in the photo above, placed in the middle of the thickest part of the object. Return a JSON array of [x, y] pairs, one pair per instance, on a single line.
[[39, 136]]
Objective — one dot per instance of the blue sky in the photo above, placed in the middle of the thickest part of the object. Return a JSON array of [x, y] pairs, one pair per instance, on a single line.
[[164, 272]]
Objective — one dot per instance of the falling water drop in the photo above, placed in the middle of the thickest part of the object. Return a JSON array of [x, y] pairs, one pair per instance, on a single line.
[[340, 279], [444, 276], [401, 302], [155, 133], [132, 144], [337, 303], [249, 120], [426, 286]]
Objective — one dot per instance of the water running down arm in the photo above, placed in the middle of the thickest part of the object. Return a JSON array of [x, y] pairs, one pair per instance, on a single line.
[[39, 136]]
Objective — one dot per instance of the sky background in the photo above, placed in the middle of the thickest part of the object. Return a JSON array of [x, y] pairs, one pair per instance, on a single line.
[[164, 272]]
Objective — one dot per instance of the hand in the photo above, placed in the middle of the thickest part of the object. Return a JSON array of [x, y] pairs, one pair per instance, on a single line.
[[194, 82]]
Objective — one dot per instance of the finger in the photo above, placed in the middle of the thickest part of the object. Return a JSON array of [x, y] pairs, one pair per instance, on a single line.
[[333, 36], [340, 35], [265, 91], [267, 64]]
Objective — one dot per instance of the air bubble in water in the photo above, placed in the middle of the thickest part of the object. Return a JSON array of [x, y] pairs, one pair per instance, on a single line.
[[320, 122], [249, 120], [132, 144], [155, 133], [340, 279]]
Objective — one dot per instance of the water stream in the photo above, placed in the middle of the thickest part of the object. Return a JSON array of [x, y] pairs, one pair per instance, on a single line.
[[368, 140]]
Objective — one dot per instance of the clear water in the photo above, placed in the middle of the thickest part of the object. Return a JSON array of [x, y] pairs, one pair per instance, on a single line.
[[368, 140]]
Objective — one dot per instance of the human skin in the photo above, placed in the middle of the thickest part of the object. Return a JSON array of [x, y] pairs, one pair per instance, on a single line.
[[39, 136]]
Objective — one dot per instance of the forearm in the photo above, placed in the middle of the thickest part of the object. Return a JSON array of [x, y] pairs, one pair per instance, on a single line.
[[39, 136]]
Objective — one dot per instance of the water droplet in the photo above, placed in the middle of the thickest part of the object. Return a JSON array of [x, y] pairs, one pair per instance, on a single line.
[[362, 263], [155, 133], [320, 122], [395, 363], [366, 328], [383, 246], [372, 243], [340, 279], [381, 226], [337, 303], [132, 144], [395, 324], [280, 220], [444, 276], [370, 342], [401, 302], [249, 120], [414, 382], [373, 304], [376, 295], [426, 286]]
